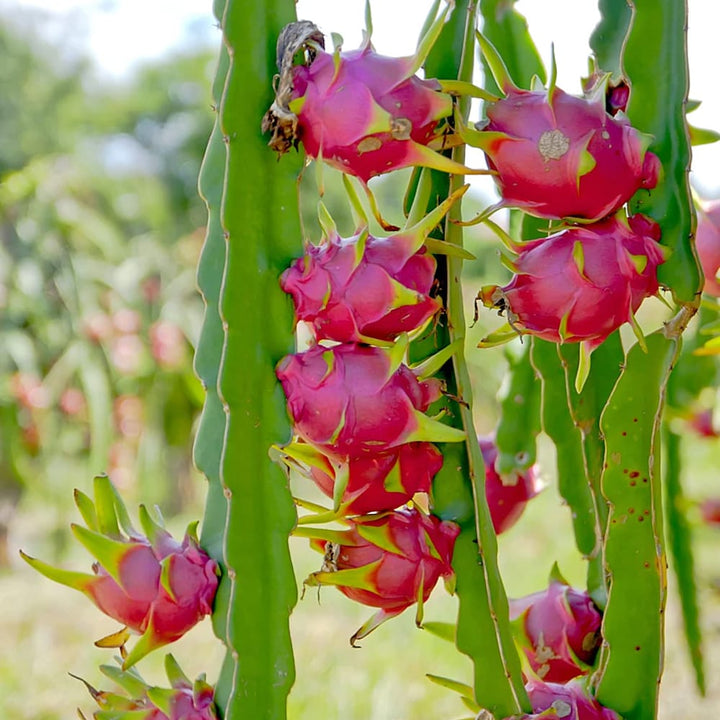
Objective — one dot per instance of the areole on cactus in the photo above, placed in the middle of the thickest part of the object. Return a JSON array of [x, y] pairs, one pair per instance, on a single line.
[[363, 113], [555, 155], [558, 630], [390, 561], [152, 584]]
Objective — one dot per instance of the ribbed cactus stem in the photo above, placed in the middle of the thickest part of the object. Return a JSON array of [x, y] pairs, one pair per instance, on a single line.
[[253, 231]]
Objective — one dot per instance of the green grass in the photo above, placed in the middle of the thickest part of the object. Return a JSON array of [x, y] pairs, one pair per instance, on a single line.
[[48, 630]]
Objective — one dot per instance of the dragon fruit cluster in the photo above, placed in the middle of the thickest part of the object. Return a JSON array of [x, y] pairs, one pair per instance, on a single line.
[[576, 160], [362, 432]]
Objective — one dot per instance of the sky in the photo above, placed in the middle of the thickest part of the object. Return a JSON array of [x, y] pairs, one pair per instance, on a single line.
[[120, 33]]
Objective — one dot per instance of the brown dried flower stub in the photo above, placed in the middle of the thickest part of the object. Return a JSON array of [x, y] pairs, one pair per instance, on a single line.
[[303, 36]]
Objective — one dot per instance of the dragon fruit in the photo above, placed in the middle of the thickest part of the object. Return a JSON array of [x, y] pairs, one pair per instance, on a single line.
[[582, 283], [359, 111], [710, 511], [560, 156], [506, 496], [150, 583], [570, 701], [184, 700], [707, 242], [364, 287], [378, 482], [389, 561], [558, 629], [351, 400]]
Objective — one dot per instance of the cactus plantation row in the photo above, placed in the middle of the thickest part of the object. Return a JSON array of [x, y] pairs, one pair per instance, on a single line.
[[373, 407]]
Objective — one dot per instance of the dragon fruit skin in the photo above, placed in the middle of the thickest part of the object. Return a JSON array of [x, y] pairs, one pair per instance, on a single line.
[[384, 481], [349, 301], [388, 561], [707, 243], [369, 114], [351, 400], [568, 701], [155, 586], [561, 156], [506, 497], [581, 284], [558, 630]]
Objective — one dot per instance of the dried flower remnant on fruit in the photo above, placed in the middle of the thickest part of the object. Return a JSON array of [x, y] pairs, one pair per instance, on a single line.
[[361, 112]]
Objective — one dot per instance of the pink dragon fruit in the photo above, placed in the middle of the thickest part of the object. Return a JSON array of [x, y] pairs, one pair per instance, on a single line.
[[151, 583], [506, 496], [389, 561], [184, 700], [702, 423], [582, 283], [707, 242], [351, 400], [360, 112], [363, 288], [382, 481], [558, 629], [567, 702], [710, 511], [560, 156]]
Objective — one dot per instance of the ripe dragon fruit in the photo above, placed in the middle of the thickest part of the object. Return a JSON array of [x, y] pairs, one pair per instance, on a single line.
[[707, 243], [375, 482], [351, 400], [570, 701], [364, 287], [389, 561], [560, 156], [184, 700], [582, 283], [506, 496], [558, 629], [151, 583], [360, 112]]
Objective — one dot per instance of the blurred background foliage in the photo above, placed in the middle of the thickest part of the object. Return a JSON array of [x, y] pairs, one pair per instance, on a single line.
[[100, 230]]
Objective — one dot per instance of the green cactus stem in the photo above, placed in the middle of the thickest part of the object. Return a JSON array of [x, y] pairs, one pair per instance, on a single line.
[[253, 231], [631, 657], [483, 630]]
